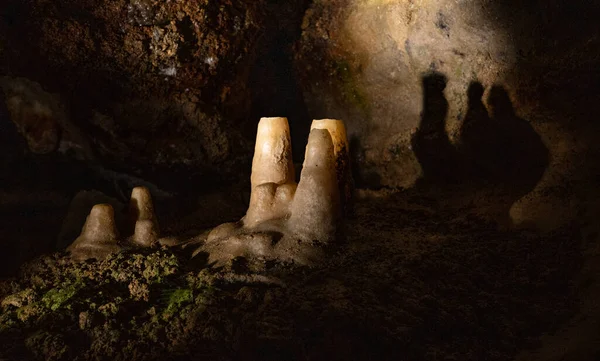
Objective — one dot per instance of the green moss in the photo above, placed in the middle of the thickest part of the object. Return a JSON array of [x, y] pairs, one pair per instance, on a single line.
[[20, 298], [57, 297], [145, 294], [158, 267], [109, 309], [7, 321], [177, 298], [29, 311]]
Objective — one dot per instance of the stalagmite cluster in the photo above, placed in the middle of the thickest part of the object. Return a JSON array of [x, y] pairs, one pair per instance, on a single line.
[[100, 236], [286, 220]]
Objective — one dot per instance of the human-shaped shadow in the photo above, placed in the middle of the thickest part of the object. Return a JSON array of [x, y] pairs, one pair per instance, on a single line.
[[431, 145], [500, 158], [504, 156], [480, 146], [524, 156]]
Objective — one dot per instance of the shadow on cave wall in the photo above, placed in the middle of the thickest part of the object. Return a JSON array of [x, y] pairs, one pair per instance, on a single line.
[[433, 149], [498, 152]]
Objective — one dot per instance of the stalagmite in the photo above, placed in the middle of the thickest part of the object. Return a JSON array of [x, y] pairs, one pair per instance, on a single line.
[[142, 218], [337, 130], [99, 236], [272, 180], [272, 162], [288, 221], [315, 209], [285, 221]]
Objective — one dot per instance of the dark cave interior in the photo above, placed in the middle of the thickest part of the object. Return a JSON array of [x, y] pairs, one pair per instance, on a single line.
[[473, 138]]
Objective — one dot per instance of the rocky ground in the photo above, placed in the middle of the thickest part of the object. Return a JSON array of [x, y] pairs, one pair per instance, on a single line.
[[419, 277]]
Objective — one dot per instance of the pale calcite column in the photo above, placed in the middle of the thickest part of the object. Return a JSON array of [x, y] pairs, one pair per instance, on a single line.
[[99, 236], [272, 179], [316, 206], [272, 162], [337, 130], [142, 218]]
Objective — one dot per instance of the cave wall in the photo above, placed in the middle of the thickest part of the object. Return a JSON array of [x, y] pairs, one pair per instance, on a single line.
[[141, 84], [463, 92], [171, 91]]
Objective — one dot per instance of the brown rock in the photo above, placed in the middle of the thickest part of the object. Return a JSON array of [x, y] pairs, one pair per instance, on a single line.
[[149, 81]]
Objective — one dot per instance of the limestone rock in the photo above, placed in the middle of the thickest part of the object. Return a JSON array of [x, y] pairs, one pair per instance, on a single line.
[[337, 130], [272, 161], [272, 180], [316, 207]]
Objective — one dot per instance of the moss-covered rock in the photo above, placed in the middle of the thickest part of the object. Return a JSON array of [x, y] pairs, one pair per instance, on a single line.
[[57, 297], [122, 306]]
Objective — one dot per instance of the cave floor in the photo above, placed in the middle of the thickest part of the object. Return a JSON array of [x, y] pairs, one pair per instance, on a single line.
[[419, 277]]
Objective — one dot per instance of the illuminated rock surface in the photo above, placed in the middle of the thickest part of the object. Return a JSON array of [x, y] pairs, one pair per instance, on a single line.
[[366, 62]]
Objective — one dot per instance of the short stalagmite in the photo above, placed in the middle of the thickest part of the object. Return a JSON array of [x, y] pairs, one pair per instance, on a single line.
[[99, 236], [143, 221]]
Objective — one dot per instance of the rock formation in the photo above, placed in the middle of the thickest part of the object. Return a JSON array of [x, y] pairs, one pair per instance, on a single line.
[[100, 237], [288, 221], [142, 218]]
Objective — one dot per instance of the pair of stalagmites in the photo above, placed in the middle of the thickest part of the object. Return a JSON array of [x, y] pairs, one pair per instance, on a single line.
[[285, 220], [100, 236]]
